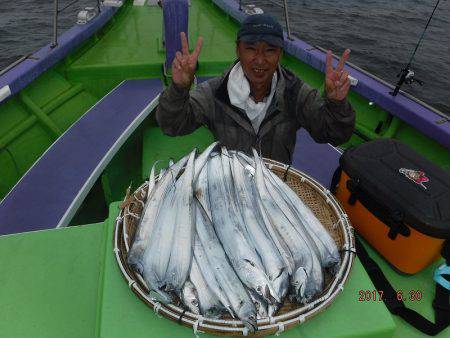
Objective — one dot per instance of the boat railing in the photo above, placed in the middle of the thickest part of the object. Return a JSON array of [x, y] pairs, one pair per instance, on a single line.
[[56, 13], [54, 41]]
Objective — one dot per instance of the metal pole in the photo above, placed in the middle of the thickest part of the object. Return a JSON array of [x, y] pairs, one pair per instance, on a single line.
[[98, 5], [15, 63], [286, 17], [55, 26]]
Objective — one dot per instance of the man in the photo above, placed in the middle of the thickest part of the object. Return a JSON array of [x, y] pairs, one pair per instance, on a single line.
[[257, 103]]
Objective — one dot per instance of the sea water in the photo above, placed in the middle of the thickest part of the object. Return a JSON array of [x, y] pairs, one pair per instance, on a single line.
[[382, 35]]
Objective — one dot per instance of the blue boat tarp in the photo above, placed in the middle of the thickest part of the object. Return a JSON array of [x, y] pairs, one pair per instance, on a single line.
[[318, 160]]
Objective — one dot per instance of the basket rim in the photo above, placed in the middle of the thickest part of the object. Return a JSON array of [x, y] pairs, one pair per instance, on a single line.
[[273, 324]]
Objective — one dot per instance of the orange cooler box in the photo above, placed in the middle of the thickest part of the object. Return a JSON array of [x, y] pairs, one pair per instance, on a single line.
[[397, 200]]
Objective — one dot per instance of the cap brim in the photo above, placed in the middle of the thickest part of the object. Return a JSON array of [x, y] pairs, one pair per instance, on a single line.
[[270, 39]]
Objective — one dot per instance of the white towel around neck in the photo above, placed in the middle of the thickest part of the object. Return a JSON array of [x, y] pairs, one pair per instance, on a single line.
[[239, 94]]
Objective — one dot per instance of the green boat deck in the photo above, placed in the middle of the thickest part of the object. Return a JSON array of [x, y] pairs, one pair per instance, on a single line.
[[66, 283]]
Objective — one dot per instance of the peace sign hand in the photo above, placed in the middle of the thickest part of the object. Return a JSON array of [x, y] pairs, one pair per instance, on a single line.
[[184, 64], [337, 82]]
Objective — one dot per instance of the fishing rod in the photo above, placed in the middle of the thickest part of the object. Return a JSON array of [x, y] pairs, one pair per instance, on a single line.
[[407, 74]]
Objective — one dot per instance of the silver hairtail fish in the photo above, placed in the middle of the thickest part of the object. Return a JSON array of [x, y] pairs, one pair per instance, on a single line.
[[181, 254], [301, 250], [210, 305], [258, 235], [149, 215], [209, 248], [228, 226]]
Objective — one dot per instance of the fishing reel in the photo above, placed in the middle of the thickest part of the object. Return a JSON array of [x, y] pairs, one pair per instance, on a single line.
[[407, 76], [410, 77]]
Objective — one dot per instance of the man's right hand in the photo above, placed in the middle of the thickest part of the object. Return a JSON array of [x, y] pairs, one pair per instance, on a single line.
[[184, 64]]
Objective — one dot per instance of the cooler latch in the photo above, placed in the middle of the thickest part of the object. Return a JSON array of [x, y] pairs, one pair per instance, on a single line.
[[396, 225]]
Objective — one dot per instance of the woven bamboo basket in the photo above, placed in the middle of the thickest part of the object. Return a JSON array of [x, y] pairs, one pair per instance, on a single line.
[[326, 208]]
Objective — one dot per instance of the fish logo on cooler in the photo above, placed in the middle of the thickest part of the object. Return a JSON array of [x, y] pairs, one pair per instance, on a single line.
[[417, 176]]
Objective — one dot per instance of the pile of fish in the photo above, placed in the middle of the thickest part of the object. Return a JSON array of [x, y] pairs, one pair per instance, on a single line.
[[225, 234]]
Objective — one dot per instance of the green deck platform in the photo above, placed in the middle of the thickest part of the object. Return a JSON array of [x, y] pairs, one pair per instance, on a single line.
[[66, 283]]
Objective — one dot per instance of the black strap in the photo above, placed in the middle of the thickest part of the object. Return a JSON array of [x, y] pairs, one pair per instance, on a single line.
[[335, 179], [397, 307]]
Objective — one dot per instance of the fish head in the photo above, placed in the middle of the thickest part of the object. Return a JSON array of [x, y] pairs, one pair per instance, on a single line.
[[260, 282], [213, 312], [136, 267], [266, 291], [299, 282], [333, 265], [135, 258], [247, 313], [281, 284], [190, 297], [272, 309], [261, 309], [160, 296]]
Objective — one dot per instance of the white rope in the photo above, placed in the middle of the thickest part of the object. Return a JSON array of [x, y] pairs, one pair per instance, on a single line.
[[280, 329], [156, 308], [129, 213], [350, 248], [131, 283], [197, 324], [271, 320], [245, 331], [301, 319], [141, 201]]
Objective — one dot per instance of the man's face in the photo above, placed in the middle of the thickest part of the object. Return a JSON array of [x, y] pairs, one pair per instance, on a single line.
[[259, 61]]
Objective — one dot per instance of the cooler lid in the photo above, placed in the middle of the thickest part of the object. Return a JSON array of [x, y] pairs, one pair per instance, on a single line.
[[403, 181]]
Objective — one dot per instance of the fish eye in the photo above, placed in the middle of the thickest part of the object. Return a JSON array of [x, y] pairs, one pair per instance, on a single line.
[[194, 302], [259, 288], [296, 282]]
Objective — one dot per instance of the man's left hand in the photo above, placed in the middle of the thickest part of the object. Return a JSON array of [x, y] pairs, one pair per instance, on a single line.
[[337, 82]]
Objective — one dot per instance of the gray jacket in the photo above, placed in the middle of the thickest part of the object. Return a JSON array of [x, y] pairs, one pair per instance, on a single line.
[[293, 106]]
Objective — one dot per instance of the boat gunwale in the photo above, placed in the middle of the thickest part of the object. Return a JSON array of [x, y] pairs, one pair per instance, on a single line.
[[35, 64]]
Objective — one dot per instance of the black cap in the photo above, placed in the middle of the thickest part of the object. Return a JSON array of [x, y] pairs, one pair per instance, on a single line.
[[261, 27]]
